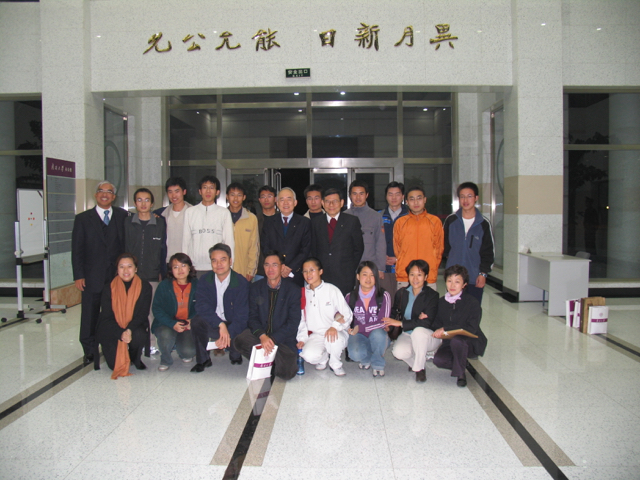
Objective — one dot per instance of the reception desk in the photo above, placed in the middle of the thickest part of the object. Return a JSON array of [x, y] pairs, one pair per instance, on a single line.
[[564, 277]]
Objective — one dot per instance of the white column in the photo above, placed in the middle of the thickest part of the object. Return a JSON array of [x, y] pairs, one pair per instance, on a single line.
[[623, 253]]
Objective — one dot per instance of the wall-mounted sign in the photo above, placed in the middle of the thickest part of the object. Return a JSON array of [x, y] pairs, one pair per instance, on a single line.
[[298, 72]]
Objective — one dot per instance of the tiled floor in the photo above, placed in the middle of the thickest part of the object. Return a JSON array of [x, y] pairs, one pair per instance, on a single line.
[[576, 395]]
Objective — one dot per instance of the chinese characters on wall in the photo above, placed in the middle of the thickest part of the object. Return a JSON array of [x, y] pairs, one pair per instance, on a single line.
[[366, 36]]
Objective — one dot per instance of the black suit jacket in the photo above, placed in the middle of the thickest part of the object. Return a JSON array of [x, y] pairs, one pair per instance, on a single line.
[[286, 316], [295, 246], [341, 257], [94, 248]]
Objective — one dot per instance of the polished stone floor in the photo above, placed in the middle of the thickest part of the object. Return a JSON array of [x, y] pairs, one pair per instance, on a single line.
[[544, 402]]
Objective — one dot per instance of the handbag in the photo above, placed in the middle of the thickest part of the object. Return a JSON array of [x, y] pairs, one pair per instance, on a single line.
[[260, 364], [394, 332]]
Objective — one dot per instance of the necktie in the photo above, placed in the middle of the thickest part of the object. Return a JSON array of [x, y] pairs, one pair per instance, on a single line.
[[332, 228], [106, 217], [286, 225]]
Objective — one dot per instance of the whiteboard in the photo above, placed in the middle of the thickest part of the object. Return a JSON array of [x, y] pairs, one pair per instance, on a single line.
[[31, 221]]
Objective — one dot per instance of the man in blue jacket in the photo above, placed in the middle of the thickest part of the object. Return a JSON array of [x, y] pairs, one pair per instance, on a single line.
[[396, 208], [274, 317], [222, 308], [468, 240]]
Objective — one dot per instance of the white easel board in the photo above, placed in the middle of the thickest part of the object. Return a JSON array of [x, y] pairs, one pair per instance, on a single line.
[[31, 218]]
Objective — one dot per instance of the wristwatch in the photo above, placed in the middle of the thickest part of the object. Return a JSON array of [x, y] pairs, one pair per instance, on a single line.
[[483, 274]]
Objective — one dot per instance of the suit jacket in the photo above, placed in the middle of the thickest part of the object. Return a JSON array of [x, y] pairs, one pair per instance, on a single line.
[[286, 315], [295, 246], [95, 247], [341, 257]]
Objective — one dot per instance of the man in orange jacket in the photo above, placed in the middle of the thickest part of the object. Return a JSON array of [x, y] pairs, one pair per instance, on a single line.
[[418, 235]]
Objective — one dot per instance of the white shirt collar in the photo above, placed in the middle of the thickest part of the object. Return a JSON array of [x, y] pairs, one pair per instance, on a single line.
[[336, 217]]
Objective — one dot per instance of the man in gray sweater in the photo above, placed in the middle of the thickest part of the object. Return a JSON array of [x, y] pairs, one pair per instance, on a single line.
[[375, 244]]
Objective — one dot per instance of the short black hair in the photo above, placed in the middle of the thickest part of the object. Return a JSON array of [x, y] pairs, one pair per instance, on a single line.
[[236, 186], [421, 264], [173, 181], [122, 256], [314, 260], [267, 188], [222, 247], [181, 258], [359, 183], [416, 187], [457, 270], [271, 253], [470, 185], [332, 191], [143, 190], [394, 184], [314, 187], [209, 179]]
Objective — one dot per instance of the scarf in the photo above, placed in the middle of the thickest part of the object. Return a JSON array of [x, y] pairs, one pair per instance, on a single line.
[[366, 297], [452, 298], [122, 304]]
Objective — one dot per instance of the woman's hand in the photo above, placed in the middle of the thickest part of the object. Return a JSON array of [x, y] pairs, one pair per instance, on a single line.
[[354, 330], [180, 326], [331, 335], [423, 315], [391, 322], [126, 336], [299, 345], [439, 333]]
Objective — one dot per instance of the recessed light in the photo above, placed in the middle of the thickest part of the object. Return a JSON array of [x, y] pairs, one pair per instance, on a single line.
[[542, 24], [343, 93], [296, 93], [425, 109], [300, 110], [598, 28]]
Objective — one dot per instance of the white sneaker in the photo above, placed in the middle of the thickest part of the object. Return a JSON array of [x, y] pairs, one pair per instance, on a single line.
[[187, 360], [162, 368], [378, 373], [339, 372], [321, 366], [364, 366], [154, 350]]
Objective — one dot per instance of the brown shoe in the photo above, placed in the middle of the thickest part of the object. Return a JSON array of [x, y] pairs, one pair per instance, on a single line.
[[421, 376], [218, 352]]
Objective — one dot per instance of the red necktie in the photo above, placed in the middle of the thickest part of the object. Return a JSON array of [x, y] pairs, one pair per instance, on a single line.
[[332, 228]]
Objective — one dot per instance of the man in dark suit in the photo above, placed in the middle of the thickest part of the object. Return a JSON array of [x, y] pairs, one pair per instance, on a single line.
[[274, 317], [336, 240], [290, 234], [96, 242]]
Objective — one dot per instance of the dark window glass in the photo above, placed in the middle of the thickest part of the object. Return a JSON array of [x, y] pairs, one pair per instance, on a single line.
[[193, 134], [444, 96], [353, 96], [436, 182], [427, 132]]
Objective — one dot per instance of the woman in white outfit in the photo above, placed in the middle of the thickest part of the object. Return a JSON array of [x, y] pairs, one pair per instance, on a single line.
[[414, 309], [328, 318]]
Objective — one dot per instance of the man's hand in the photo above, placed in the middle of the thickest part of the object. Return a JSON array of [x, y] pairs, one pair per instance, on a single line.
[[267, 343], [225, 340], [80, 284], [331, 335], [391, 260], [285, 271], [249, 277], [381, 274], [481, 281]]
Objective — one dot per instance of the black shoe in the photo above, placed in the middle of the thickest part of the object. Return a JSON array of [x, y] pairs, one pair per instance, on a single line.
[[237, 361], [199, 367], [347, 358], [140, 366], [410, 368], [462, 382], [421, 376], [87, 359]]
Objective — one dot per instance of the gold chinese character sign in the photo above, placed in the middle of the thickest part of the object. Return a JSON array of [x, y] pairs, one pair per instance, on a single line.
[[443, 35]]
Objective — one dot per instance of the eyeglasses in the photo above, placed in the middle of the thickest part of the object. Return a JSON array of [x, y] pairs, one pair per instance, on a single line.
[[332, 202], [106, 191], [144, 200], [208, 187], [264, 197]]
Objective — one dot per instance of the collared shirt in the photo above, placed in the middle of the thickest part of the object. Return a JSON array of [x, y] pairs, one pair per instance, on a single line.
[[336, 217], [101, 212], [273, 297], [394, 214], [221, 287], [288, 217]]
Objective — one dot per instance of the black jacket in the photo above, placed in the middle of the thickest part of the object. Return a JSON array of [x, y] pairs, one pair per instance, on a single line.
[[148, 244], [295, 246], [96, 246], [426, 302], [465, 313]]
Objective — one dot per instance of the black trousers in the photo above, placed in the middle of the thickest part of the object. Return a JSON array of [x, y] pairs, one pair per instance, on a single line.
[[475, 292], [202, 332], [139, 338], [453, 354], [285, 365], [90, 309]]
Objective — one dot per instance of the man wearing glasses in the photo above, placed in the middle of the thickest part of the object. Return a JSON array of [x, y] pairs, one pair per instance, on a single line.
[[336, 240], [468, 240], [205, 225], [96, 242]]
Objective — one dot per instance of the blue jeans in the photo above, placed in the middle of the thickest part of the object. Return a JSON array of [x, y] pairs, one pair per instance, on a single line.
[[168, 337], [369, 351]]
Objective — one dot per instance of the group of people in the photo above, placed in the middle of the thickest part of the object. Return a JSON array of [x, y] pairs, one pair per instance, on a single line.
[[226, 279]]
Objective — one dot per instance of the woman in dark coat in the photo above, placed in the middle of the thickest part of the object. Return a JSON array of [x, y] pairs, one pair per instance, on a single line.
[[458, 310], [123, 324]]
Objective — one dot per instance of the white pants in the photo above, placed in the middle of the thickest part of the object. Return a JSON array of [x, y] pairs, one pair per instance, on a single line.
[[319, 350], [413, 347]]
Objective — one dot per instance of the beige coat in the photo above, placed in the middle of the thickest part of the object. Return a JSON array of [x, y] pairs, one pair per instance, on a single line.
[[247, 244]]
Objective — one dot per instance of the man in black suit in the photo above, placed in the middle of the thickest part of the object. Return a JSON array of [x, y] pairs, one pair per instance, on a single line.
[[274, 317], [96, 242], [336, 240], [290, 234]]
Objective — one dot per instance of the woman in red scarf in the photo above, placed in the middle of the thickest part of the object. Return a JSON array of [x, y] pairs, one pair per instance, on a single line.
[[123, 324]]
